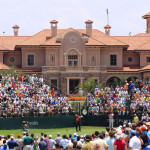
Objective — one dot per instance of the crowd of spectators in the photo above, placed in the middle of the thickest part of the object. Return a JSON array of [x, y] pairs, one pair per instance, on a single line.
[[129, 136], [21, 96], [131, 98], [29, 96]]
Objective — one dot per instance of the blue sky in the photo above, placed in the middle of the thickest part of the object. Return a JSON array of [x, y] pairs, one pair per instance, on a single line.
[[34, 15]]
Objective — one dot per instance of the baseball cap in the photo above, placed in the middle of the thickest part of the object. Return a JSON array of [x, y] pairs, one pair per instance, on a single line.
[[12, 137], [50, 136], [19, 136], [143, 128]]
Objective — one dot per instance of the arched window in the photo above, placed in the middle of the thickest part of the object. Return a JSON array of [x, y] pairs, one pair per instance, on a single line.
[[72, 60]]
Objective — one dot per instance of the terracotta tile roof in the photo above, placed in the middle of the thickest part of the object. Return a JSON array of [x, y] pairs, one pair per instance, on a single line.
[[9, 42], [145, 68], [98, 38], [128, 69], [134, 42], [3, 66], [142, 34], [123, 69], [144, 46], [52, 41], [39, 38], [2, 48], [108, 40]]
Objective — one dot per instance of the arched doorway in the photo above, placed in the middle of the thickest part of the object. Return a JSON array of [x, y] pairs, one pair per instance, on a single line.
[[132, 78], [113, 81]]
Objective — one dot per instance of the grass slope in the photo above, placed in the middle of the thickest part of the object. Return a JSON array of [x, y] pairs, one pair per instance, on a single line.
[[53, 132]]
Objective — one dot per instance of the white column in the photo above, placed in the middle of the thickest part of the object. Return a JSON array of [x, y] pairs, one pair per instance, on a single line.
[[67, 86]]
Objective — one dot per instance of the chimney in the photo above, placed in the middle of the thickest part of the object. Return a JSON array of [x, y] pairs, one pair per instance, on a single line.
[[15, 27], [107, 29], [147, 17], [53, 28], [89, 27]]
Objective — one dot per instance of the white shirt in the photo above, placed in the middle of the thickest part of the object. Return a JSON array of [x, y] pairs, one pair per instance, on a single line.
[[135, 143]]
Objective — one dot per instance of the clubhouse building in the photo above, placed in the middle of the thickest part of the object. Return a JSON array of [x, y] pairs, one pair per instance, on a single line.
[[67, 57]]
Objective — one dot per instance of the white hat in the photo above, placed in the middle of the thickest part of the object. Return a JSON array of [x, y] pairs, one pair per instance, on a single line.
[[50, 136], [75, 134]]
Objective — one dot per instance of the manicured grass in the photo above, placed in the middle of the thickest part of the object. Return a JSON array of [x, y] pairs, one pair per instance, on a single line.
[[53, 132]]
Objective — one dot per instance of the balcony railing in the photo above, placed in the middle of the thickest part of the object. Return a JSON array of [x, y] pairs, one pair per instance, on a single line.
[[73, 68]]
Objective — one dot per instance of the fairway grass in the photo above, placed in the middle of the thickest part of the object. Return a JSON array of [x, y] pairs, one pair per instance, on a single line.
[[53, 132]]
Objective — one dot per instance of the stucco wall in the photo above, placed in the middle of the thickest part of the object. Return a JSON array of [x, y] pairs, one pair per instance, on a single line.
[[93, 52], [143, 61], [39, 57], [1, 57], [67, 45], [17, 59], [48, 52], [105, 57], [135, 59]]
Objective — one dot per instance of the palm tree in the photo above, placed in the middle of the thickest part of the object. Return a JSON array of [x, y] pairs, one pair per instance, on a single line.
[[88, 86]]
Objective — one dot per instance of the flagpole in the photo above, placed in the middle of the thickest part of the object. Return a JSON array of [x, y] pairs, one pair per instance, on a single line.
[[107, 17]]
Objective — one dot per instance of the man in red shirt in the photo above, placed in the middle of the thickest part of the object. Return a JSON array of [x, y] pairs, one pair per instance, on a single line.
[[120, 144], [53, 92], [77, 121]]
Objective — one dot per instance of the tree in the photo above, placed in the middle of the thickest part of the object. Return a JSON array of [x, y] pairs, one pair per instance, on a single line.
[[88, 86], [13, 70], [133, 79], [115, 83], [122, 81]]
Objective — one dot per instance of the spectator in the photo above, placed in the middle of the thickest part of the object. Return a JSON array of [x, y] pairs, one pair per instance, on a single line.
[[19, 141], [12, 144], [110, 141], [120, 144], [64, 141], [42, 144], [47, 141], [100, 141], [135, 142], [58, 138], [27, 142], [52, 142]]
